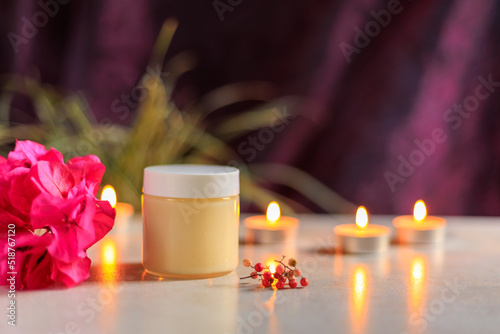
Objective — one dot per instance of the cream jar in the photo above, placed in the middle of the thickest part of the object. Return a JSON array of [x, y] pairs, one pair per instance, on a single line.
[[190, 220]]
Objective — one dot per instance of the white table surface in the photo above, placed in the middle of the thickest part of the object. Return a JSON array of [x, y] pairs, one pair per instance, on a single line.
[[454, 288]]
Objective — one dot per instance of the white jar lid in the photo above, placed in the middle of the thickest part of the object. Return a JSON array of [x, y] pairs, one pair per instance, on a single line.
[[191, 181]]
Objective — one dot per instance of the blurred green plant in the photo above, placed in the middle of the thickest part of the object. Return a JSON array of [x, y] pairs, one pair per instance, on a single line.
[[161, 132]]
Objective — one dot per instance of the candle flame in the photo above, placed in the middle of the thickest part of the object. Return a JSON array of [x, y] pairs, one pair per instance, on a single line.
[[361, 217], [109, 194], [273, 212], [419, 211]]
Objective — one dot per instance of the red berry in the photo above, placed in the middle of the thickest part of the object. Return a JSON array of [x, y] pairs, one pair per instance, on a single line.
[[247, 262], [297, 272], [266, 283], [304, 281], [276, 275], [292, 283], [280, 285], [282, 279], [280, 269], [254, 275], [258, 267], [271, 280], [267, 275]]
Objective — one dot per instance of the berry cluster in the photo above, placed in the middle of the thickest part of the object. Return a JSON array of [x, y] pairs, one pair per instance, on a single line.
[[280, 276]]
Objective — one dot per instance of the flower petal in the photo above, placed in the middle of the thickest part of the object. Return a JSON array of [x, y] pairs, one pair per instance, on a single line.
[[27, 153], [6, 218], [88, 169], [22, 193], [32, 264], [50, 211], [65, 247], [104, 219], [53, 177], [71, 273]]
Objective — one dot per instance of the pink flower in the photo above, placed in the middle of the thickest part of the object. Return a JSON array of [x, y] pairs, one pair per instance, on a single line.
[[55, 213], [27, 153], [79, 222], [32, 264], [89, 170]]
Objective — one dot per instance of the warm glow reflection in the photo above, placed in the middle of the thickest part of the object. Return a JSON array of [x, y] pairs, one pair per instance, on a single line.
[[274, 323], [361, 217], [419, 211], [108, 258], [109, 194], [269, 304], [417, 284], [272, 265], [359, 294], [108, 254], [273, 212]]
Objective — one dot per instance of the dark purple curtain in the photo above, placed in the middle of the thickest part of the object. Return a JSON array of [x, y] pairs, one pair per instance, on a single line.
[[400, 99]]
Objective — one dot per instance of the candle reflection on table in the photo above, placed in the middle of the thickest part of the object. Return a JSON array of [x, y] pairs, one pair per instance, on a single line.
[[359, 299], [108, 259], [417, 284], [106, 298], [379, 266], [417, 292], [271, 263], [273, 321]]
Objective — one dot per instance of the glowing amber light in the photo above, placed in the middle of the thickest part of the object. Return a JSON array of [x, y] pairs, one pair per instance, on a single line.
[[419, 211], [272, 265], [270, 303], [109, 254], [359, 284], [361, 217], [359, 295], [108, 258], [273, 212], [271, 227], [417, 284], [417, 269], [109, 194]]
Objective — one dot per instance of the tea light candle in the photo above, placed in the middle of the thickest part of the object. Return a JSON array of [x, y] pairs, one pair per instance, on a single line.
[[419, 228], [124, 211], [362, 237], [271, 228]]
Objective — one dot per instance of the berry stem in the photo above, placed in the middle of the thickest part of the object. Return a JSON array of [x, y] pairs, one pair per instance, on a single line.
[[284, 265], [250, 276]]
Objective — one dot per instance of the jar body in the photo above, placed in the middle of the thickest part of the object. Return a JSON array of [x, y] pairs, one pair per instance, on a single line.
[[190, 237]]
